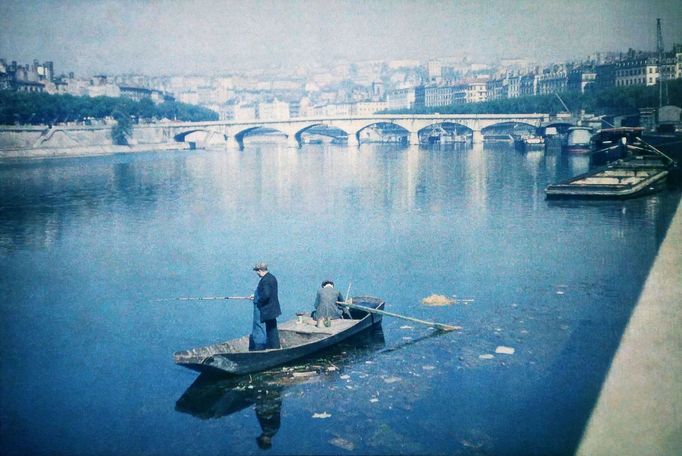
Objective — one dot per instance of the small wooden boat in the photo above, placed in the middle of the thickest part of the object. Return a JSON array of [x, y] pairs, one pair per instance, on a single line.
[[298, 338], [531, 143], [621, 179]]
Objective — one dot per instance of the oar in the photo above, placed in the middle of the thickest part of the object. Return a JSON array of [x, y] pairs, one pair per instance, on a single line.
[[347, 310], [204, 298], [440, 326]]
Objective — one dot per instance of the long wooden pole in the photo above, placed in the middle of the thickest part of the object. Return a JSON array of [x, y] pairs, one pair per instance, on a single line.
[[440, 326], [205, 298]]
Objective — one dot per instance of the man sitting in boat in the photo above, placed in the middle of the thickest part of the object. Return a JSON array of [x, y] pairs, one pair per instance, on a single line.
[[326, 308]]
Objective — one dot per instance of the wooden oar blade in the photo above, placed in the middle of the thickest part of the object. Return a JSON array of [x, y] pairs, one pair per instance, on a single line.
[[444, 327], [205, 298]]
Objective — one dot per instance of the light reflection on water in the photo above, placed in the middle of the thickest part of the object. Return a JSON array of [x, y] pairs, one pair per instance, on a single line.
[[86, 244]]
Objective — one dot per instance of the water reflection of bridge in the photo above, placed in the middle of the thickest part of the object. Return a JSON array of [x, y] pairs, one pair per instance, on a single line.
[[233, 132]]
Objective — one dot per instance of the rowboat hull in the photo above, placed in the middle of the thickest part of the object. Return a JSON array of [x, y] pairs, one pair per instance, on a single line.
[[211, 396], [298, 339]]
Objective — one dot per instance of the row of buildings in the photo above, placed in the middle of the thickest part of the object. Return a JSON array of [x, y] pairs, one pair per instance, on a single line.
[[363, 88], [633, 68], [39, 77]]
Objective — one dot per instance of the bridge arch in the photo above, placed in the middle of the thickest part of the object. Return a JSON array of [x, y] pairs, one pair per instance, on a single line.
[[509, 128], [180, 137], [209, 137], [238, 136], [382, 131], [445, 131], [320, 129]]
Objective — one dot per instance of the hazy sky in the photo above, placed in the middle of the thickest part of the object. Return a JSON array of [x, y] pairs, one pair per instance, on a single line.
[[183, 36]]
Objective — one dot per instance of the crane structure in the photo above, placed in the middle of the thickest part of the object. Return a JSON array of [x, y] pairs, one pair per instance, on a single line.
[[659, 50]]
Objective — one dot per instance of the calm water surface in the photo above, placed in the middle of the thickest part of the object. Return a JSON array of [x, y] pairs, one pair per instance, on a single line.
[[86, 245]]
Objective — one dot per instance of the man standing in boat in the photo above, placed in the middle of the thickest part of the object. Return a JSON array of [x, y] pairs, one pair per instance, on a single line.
[[266, 310]]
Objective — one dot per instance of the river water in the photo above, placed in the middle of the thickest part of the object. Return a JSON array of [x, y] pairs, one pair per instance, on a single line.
[[87, 244]]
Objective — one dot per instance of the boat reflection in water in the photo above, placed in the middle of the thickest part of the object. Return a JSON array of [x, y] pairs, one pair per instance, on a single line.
[[212, 396]]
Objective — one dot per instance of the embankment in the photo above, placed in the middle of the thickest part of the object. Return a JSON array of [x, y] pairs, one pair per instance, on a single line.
[[79, 140]]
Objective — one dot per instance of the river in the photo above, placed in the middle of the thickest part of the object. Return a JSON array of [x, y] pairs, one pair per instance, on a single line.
[[88, 244]]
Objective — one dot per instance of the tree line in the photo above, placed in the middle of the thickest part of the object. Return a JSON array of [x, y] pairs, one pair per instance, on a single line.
[[610, 101], [46, 109]]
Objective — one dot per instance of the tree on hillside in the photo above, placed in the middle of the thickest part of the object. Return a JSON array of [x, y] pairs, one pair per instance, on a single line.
[[123, 129]]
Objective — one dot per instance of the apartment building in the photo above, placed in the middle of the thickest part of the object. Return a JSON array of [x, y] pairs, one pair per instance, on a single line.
[[273, 110], [401, 98], [553, 80]]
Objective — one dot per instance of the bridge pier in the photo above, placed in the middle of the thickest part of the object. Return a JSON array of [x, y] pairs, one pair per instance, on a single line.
[[233, 143], [353, 140], [476, 137], [413, 138], [292, 142]]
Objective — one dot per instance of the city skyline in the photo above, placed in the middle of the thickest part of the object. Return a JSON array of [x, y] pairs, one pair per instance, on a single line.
[[184, 37]]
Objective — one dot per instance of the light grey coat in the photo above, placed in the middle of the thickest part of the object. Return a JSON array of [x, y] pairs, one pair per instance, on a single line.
[[325, 303]]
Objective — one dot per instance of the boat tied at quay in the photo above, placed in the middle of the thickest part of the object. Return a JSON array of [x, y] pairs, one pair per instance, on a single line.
[[644, 170]]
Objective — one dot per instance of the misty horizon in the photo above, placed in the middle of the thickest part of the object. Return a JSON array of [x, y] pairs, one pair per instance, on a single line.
[[213, 37]]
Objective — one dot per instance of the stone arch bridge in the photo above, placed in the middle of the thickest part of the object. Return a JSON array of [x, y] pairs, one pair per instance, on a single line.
[[233, 132]]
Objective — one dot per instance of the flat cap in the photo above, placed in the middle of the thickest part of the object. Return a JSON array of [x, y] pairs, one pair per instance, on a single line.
[[260, 266]]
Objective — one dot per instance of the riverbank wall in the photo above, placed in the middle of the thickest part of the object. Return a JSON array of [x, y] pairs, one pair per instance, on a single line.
[[639, 411], [81, 140]]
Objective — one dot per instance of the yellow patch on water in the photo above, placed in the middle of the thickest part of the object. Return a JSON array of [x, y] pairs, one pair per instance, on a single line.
[[437, 300]]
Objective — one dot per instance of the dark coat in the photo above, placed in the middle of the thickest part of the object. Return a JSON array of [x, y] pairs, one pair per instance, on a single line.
[[267, 299]]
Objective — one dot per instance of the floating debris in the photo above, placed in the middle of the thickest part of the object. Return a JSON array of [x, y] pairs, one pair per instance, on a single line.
[[331, 368], [561, 289], [342, 443], [392, 379], [406, 327], [345, 377], [407, 338], [437, 300], [504, 350], [304, 374], [486, 356], [468, 444], [374, 399], [322, 415], [428, 367]]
